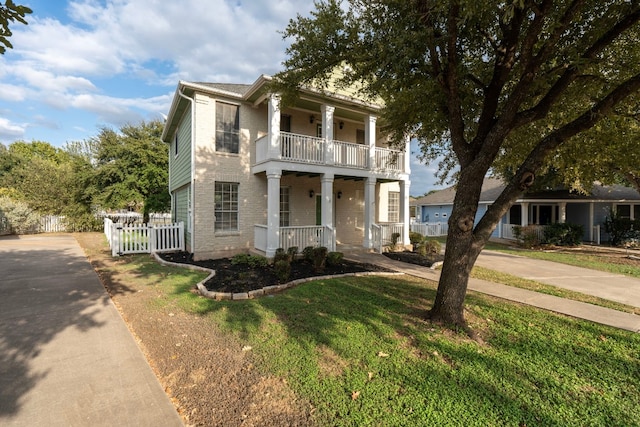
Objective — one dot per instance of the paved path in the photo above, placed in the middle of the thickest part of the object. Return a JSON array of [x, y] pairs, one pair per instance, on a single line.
[[66, 356], [610, 286], [535, 269]]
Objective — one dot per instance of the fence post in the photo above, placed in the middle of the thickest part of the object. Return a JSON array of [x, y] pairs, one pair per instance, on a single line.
[[115, 239], [151, 235]]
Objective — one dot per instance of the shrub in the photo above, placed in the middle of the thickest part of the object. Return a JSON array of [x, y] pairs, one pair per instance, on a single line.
[[319, 258], [563, 234], [282, 269], [527, 236], [253, 261], [335, 258], [19, 216], [307, 254], [394, 241], [415, 237], [292, 252], [83, 222], [620, 229], [429, 248], [281, 255]]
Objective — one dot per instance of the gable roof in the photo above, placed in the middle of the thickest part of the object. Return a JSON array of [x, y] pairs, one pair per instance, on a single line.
[[492, 187]]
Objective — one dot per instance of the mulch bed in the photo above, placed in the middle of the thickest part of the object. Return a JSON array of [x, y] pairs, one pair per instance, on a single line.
[[240, 278], [414, 258]]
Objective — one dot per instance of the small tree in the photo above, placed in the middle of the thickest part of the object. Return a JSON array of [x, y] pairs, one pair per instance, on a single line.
[[20, 217]]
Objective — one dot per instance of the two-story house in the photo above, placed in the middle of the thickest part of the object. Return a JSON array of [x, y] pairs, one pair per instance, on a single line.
[[249, 174]]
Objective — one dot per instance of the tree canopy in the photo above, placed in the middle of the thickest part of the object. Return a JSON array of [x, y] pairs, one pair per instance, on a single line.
[[522, 82], [10, 13], [125, 169]]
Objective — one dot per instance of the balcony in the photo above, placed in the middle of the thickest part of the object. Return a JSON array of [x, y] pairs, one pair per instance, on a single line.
[[307, 149]]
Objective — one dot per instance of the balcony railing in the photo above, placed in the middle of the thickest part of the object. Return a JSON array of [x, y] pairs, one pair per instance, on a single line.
[[309, 149]]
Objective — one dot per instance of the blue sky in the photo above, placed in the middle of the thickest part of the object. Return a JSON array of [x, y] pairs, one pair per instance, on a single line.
[[86, 64]]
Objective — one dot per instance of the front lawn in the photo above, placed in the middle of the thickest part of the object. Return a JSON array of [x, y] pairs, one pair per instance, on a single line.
[[360, 351]]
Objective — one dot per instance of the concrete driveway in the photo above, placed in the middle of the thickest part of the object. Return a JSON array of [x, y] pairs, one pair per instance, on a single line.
[[613, 287], [66, 356]]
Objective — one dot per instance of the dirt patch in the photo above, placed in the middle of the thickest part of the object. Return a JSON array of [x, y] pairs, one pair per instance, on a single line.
[[205, 372]]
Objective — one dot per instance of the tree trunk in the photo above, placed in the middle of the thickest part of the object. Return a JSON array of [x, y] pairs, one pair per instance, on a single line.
[[462, 250]]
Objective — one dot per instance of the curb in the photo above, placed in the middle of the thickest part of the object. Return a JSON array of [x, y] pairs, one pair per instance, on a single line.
[[267, 290]]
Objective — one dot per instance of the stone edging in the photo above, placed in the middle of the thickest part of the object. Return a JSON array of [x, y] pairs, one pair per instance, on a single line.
[[267, 290]]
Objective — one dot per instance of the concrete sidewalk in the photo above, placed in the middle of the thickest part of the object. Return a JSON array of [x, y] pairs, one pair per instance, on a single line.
[[66, 355], [533, 269]]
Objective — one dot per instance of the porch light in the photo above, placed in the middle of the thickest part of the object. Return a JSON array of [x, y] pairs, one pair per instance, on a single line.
[[312, 118], [312, 193], [339, 194], [341, 125]]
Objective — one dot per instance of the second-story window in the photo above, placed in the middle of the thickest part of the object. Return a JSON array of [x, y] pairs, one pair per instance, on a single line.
[[227, 128], [175, 152], [285, 123]]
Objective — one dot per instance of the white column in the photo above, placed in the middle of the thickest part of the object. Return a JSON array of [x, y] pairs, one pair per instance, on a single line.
[[404, 210], [370, 139], [327, 132], [273, 211], [563, 213], [407, 156], [369, 210], [524, 214], [274, 127], [326, 189]]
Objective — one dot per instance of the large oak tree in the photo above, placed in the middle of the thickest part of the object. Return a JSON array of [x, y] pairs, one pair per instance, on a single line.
[[475, 81]]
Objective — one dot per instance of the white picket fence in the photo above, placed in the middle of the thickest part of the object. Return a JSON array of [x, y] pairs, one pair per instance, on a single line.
[[432, 229], [143, 238]]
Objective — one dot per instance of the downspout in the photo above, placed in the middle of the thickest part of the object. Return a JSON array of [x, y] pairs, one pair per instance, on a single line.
[[193, 168]]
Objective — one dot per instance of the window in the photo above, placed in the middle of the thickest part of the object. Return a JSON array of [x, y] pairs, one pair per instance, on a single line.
[[175, 148], [226, 206], [359, 136], [623, 211], [636, 212], [285, 207], [227, 128], [394, 206], [285, 123]]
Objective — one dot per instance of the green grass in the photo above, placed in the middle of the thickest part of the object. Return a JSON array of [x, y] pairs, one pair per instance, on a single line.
[[359, 350]]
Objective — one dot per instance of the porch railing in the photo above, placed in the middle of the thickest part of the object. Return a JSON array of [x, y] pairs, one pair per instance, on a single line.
[[508, 231], [351, 155], [312, 235], [309, 149], [301, 148], [382, 234], [432, 229], [389, 159]]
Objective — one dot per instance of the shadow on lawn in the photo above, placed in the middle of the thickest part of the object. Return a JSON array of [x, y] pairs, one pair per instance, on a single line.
[[516, 377]]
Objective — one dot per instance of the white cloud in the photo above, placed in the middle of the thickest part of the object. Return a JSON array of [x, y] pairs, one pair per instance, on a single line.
[[14, 93], [10, 131]]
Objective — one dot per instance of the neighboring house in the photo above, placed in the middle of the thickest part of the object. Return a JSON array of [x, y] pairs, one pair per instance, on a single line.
[[247, 174], [540, 208]]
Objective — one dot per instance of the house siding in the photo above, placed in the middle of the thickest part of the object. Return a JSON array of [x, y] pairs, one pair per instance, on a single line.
[[212, 167], [180, 165], [181, 202]]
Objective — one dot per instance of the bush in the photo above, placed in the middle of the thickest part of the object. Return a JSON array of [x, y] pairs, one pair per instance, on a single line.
[[429, 248], [394, 241], [292, 252], [281, 255], [307, 254], [415, 237], [19, 216], [527, 236], [620, 229], [319, 258], [282, 269], [563, 234], [83, 223], [335, 258], [253, 261]]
